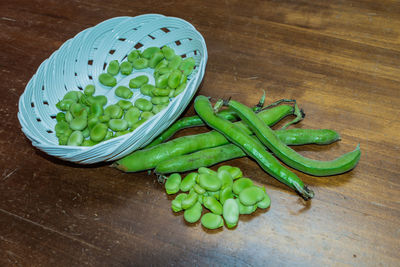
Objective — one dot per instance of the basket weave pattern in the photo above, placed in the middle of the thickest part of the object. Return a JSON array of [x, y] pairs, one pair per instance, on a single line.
[[80, 61]]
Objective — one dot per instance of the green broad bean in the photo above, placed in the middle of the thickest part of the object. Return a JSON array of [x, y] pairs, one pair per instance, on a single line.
[[132, 116], [187, 66], [176, 204], [225, 193], [118, 125], [123, 92], [89, 90], [225, 178], [60, 116], [138, 81], [212, 221], [147, 89], [193, 214], [241, 184], [77, 110], [180, 89], [140, 63], [113, 67], [107, 80], [125, 104], [101, 99], [133, 55], [78, 123], [92, 121], [265, 202], [175, 62], [157, 108], [143, 104], [164, 70], [190, 200], [161, 64], [234, 171], [206, 170], [96, 109], [150, 51], [109, 135], [75, 139], [231, 213], [157, 100], [209, 182], [251, 195], [88, 142], [160, 92], [114, 111], [243, 209], [155, 59], [188, 182], [62, 128], [173, 183], [162, 81], [73, 95], [174, 79], [168, 52], [63, 140], [212, 204], [126, 68], [98, 132], [86, 132], [146, 115], [198, 189], [64, 104]]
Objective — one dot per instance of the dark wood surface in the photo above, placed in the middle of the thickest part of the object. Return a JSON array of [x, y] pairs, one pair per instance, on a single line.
[[339, 59]]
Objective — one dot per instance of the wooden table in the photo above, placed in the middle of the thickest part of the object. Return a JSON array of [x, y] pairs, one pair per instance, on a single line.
[[339, 59]]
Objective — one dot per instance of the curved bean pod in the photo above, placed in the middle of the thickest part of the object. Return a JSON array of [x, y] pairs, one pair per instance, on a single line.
[[289, 156], [252, 148]]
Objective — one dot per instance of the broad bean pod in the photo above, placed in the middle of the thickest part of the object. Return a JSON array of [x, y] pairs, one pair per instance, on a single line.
[[252, 148], [289, 156], [211, 156]]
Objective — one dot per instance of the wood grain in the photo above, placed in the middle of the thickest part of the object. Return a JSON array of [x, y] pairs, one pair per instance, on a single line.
[[339, 59]]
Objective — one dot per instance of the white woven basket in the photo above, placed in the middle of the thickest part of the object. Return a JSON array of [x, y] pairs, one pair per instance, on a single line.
[[79, 62]]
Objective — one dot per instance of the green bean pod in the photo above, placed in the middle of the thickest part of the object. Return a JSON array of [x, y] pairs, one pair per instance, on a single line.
[[151, 157], [252, 148], [289, 156], [211, 156]]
